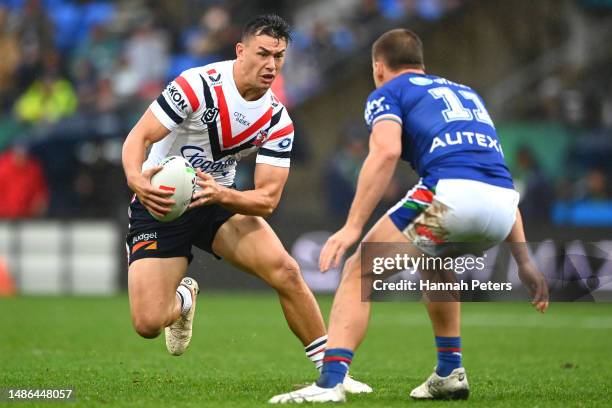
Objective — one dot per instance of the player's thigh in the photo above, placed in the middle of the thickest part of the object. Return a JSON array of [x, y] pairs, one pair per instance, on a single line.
[[152, 284], [158, 255], [385, 231], [383, 240], [249, 243]]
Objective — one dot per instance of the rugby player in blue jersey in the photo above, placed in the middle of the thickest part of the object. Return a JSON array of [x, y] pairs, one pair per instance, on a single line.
[[465, 194]]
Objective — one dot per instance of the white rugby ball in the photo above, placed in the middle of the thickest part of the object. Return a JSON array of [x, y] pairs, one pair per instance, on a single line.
[[177, 176]]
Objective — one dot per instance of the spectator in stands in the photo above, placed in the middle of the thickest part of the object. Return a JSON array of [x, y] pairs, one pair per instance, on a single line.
[[342, 171], [95, 186], [367, 12], [533, 185], [606, 103], [215, 34], [36, 33], [26, 195], [340, 177], [321, 43], [592, 186], [47, 100], [84, 79], [9, 50], [125, 79], [147, 55], [99, 50]]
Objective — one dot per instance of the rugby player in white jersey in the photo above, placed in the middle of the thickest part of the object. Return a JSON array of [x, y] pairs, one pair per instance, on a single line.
[[212, 116]]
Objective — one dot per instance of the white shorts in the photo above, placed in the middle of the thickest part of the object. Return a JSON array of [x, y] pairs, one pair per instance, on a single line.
[[470, 213]]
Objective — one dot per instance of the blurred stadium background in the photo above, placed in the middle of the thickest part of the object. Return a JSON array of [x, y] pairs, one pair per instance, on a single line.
[[76, 75]]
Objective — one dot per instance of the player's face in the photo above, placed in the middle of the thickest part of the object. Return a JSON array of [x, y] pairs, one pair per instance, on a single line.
[[262, 58]]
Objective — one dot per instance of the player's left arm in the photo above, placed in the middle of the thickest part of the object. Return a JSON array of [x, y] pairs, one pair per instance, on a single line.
[[374, 178], [528, 272], [261, 201]]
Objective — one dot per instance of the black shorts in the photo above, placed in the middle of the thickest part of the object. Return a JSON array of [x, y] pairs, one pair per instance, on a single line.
[[149, 238]]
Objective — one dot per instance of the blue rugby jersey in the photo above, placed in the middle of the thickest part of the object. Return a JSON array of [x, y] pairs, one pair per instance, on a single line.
[[447, 132]]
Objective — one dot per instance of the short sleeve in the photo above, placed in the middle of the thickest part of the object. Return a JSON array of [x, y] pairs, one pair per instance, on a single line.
[[176, 102], [382, 105], [276, 151]]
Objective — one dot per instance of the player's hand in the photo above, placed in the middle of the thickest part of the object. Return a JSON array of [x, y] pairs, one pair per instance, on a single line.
[[535, 282], [336, 246], [210, 192], [155, 200]]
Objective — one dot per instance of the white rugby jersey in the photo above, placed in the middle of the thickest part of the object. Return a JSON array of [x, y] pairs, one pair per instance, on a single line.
[[213, 126]]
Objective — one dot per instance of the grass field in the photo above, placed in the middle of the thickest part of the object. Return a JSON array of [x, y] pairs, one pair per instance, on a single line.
[[242, 354]]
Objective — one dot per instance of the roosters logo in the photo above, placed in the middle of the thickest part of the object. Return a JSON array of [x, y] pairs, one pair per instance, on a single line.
[[261, 138]]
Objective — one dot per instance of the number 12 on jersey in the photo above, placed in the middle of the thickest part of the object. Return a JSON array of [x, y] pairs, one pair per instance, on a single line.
[[455, 110]]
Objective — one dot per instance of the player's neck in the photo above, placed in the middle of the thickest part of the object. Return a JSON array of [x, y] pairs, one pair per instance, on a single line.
[[247, 92], [394, 74]]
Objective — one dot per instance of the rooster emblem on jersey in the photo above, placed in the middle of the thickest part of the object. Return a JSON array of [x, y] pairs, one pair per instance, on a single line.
[[261, 138]]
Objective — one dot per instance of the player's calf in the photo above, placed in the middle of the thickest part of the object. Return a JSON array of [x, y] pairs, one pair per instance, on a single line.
[[149, 320], [147, 325]]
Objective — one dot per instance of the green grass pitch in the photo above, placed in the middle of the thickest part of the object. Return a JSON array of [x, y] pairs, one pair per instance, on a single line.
[[242, 353]]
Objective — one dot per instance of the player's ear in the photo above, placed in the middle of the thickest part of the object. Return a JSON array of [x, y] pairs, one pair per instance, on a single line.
[[377, 71], [239, 51]]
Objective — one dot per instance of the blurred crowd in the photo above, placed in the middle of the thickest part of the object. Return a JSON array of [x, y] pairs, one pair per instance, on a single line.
[[76, 75], [577, 98]]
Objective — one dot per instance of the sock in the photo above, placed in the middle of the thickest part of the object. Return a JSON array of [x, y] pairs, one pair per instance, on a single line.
[[315, 351], [184, 295], [449, 355], [335, 366]]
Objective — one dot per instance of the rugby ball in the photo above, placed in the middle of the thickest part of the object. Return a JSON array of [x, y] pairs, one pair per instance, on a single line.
[[179, 177]]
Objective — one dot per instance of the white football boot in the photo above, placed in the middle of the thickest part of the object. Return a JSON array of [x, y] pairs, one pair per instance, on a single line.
[[352, 386], [455, 386], [311, 393], [178, 334]]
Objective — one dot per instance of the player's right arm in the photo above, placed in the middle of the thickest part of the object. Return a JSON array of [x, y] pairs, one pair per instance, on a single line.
[[147, 131], [165, 114]]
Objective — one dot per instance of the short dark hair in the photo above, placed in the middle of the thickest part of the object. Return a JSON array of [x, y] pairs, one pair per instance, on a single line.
[[399, 49], [267, 24]]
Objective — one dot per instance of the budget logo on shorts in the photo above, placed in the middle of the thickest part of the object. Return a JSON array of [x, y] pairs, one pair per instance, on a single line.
[[210, 115], [146, 240]]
